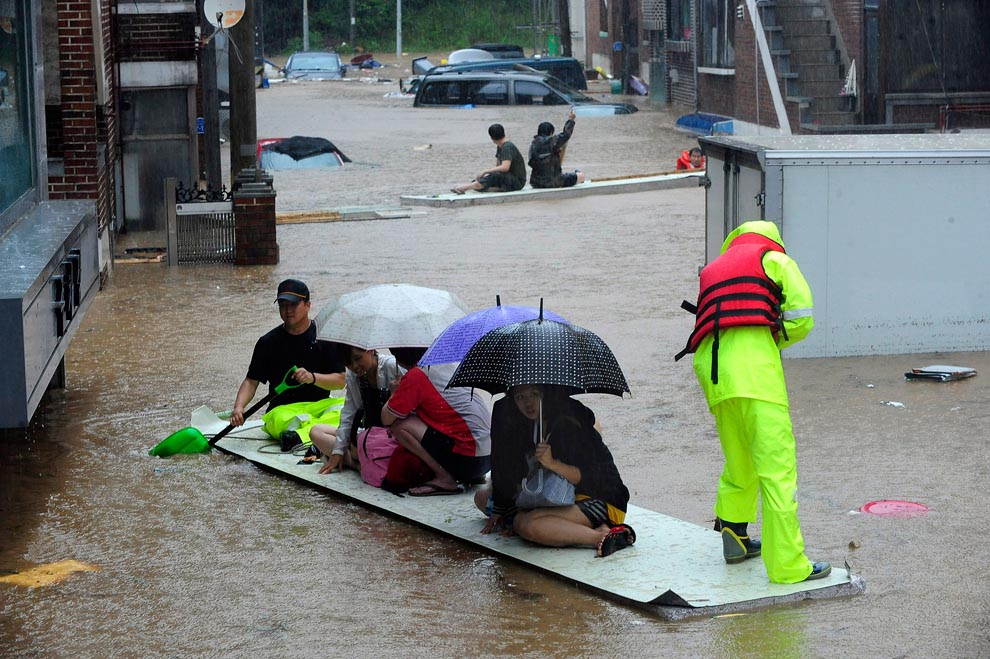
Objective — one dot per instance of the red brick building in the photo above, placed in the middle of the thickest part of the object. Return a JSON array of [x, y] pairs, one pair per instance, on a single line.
[[917, 66]]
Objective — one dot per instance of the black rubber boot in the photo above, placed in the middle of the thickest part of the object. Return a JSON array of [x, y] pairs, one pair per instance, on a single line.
[[737, 546]]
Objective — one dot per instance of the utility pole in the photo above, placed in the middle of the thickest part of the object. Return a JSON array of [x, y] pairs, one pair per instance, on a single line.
[[305, 24], [243, 115], [398, 29], [211, 110], [564, 18], [353, 37]]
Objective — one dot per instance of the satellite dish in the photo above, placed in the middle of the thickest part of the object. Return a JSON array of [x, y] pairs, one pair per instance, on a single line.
[[223, 14]]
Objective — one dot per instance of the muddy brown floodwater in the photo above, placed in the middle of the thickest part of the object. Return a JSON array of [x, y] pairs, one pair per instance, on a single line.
[[208, 556]]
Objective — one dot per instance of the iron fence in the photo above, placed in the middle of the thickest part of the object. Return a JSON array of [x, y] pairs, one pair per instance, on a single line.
[[200, 224]]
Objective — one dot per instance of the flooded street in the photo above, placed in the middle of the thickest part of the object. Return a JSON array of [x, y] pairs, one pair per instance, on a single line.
[[207, 555]]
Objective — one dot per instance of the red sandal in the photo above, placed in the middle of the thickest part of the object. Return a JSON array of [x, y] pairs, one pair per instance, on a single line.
[[617, 538]]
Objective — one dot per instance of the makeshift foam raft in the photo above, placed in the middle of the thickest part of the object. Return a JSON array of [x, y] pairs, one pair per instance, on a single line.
[[660, 181], [674, 570]]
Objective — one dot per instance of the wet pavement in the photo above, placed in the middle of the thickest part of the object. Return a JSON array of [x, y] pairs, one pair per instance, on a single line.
[[208, 556]]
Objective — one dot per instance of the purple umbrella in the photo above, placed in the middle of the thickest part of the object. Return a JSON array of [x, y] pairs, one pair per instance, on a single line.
[[455, 341]]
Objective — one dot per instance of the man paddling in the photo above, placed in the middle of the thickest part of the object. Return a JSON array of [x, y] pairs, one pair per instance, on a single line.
[[293, 343]]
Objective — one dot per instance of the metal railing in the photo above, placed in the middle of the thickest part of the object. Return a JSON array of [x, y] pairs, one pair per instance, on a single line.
[[200, 224]]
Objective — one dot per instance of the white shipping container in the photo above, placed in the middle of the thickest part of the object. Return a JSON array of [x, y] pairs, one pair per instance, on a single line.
[[892, 233]]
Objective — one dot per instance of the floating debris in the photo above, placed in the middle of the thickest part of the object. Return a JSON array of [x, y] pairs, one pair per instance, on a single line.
[[894, 508], [47, 574]]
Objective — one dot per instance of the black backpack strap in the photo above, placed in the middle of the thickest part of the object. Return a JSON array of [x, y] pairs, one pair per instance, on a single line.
[[715, 329]]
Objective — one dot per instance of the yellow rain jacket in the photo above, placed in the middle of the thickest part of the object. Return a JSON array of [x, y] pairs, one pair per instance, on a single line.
[[749, 357]]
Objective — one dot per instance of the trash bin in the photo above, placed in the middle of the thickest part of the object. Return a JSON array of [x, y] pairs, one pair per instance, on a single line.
[[616, 86]]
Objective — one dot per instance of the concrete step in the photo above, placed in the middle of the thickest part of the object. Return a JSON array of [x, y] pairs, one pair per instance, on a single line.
[[834, 118], [797, 12], [807, 27], [820, 72], [806, 56], [807, 42], [832, 103], [821, 88]]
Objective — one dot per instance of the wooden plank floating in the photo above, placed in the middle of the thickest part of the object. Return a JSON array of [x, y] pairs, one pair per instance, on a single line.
[[675, 570]]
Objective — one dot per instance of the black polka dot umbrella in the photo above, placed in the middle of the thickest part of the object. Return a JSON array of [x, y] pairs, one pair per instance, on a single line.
[[541, 352]]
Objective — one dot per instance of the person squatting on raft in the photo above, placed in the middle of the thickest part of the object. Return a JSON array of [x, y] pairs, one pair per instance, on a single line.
[[448, 429], [509, 173], [693, 159], [736, 343], [370, 380], [293, 343], [570, 447], [546, 154]]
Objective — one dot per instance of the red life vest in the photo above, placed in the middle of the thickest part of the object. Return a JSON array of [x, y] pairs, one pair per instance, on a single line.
[[735, 291]]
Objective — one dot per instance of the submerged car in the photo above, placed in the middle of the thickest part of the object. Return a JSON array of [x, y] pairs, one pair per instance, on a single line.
[[471, 88], [314, 65], [299, 152]]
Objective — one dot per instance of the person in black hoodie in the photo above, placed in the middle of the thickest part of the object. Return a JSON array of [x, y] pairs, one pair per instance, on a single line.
[[572, 448], [546, 153]]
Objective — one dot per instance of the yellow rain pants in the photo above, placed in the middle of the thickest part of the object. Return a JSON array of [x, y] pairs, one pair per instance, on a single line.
[[758, 445], [302, 416]]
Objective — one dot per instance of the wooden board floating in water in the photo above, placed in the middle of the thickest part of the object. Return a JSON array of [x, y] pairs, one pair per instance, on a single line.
[[674, 570], [616, 185]]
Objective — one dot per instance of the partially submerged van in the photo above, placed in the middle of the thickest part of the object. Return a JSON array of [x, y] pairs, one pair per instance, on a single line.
[[565, 69], [472, 88]]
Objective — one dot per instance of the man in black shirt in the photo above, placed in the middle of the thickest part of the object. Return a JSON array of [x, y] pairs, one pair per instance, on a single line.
[[506, 176], [293, 343]]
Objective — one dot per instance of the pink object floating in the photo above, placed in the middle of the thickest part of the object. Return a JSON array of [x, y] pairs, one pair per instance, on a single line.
[[894, 508]]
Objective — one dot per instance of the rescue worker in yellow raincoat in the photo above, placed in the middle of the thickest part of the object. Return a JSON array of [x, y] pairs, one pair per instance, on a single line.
[[753, 303]]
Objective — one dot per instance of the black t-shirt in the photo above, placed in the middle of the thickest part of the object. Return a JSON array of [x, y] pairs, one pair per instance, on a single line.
[[517, 166], [278, 351]]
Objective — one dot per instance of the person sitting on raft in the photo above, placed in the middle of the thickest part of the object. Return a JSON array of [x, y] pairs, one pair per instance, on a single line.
[[546, 154], [570, 447], [448, 429], [693, 159], [293, 343], [370, 379]]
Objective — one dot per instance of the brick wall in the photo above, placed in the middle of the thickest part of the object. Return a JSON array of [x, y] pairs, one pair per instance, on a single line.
[[157, 37], [717, 94], [80, 134], [595, 44], [849, 15], [254, 219], [753, 100]]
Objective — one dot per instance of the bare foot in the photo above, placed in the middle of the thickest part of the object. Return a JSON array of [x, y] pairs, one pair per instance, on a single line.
[[432, 488], [457, 191]]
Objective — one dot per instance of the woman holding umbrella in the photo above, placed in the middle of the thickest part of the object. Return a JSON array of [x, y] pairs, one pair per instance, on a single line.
[[569, 445]]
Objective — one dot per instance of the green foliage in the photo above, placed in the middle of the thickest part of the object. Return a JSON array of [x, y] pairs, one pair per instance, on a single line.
[[426, 24]]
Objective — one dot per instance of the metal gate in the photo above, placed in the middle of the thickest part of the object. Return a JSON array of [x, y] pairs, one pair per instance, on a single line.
[[200, 224]]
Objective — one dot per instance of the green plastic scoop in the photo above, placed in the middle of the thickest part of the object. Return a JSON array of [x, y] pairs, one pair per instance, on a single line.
[[191, 440]]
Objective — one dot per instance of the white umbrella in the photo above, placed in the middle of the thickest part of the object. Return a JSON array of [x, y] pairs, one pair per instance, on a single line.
[[389, 316]]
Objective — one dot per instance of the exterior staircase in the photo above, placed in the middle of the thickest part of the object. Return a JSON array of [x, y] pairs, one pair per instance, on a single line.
[[810, 62]]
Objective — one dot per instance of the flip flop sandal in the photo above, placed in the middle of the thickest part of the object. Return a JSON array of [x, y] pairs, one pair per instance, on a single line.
[[614, 541], [625, 527]]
